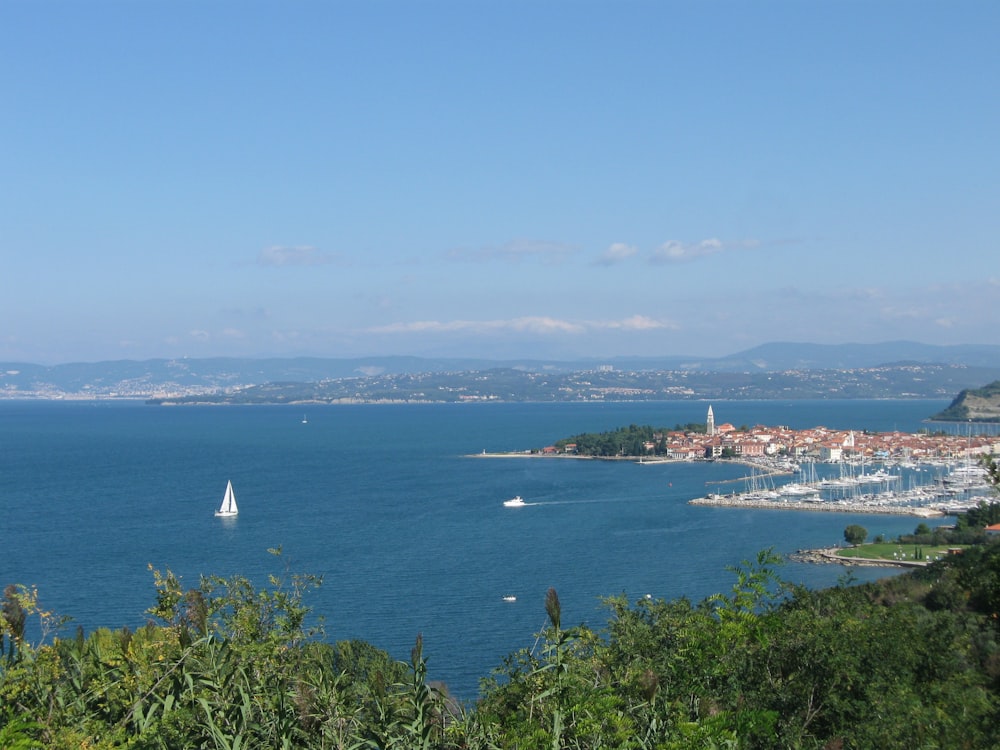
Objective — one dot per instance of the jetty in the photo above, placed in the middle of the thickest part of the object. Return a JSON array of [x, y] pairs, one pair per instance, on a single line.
[[832, 556], [828, 506], [761, 476]]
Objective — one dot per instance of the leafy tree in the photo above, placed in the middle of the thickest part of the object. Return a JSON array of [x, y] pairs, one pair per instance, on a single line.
[[986, 513], [12, 619], [992, 472], [855, 534]]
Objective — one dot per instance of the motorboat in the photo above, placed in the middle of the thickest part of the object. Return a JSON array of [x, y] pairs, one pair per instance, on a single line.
[[515, 502]]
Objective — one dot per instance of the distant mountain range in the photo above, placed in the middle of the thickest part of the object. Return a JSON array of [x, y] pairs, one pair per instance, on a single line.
[[788, 356], [955, 367]]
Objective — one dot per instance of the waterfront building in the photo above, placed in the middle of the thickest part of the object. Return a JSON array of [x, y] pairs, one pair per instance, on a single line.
[[831, 453]]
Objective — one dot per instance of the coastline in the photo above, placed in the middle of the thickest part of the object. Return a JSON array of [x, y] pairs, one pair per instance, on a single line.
[[573, 457], [640, 461], [526, 454], [827, 506], [829, 556]]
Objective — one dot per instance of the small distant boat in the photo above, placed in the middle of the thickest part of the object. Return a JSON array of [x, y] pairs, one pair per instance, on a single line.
[[304, 420], [228, 507], [510, 598], [515, 502]]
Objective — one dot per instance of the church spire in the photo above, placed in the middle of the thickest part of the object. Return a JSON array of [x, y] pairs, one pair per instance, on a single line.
[[710, 422]]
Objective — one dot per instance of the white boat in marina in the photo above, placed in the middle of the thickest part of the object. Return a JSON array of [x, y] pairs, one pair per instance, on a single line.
[[968, 470], [797, 489], [515, 502], [228, 507], [761, 487], [879, 476]]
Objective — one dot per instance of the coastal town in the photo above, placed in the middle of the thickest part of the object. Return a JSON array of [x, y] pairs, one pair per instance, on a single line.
[[821, 469]]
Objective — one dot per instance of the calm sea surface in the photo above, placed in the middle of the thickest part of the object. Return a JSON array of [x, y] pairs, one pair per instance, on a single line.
[[409, 533]]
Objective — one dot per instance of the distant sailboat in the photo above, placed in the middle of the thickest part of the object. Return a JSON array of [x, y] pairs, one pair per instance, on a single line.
[[228, 507], [304, 420]]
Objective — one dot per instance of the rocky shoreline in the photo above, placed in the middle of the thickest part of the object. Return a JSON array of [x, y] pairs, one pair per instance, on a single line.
[[828, 506], [830, 557]]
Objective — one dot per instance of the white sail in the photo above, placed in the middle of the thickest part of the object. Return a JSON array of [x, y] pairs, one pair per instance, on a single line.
[[228, 507]]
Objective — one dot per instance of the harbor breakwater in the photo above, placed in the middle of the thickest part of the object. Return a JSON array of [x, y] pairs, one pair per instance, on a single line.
[[830, 506]]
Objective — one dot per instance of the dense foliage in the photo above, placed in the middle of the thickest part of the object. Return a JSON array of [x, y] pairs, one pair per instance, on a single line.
[[855, 534], [909, 662], [634, 440]]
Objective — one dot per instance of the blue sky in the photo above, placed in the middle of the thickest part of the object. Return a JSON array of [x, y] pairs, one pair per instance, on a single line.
[[494, 179]]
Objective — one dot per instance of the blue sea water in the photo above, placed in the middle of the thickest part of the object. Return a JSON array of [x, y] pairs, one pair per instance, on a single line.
[[385, 502]]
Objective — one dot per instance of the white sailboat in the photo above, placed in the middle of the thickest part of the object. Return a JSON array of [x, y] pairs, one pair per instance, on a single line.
[[228, 507]]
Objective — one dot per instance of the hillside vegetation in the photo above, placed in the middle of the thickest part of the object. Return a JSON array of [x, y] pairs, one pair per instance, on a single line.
[[909, 662]]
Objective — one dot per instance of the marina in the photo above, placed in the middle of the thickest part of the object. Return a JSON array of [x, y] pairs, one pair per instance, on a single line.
[[924, 490]]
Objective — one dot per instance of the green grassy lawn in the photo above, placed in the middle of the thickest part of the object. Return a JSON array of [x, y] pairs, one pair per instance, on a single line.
[[895, 551]]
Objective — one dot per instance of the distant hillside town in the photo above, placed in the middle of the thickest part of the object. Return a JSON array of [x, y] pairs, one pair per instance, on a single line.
[[785, 371]]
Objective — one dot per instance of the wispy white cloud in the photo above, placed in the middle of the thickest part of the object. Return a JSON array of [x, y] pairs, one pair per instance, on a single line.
[[864, 293], [529, 324], [902, 312], [637, 323], [673, 251], [516, 251], [302, 255], [540, 325], [617, 253]]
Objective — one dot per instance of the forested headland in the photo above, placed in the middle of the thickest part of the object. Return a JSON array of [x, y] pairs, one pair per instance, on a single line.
[[633, 440], [973, 405], [911, 661]]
